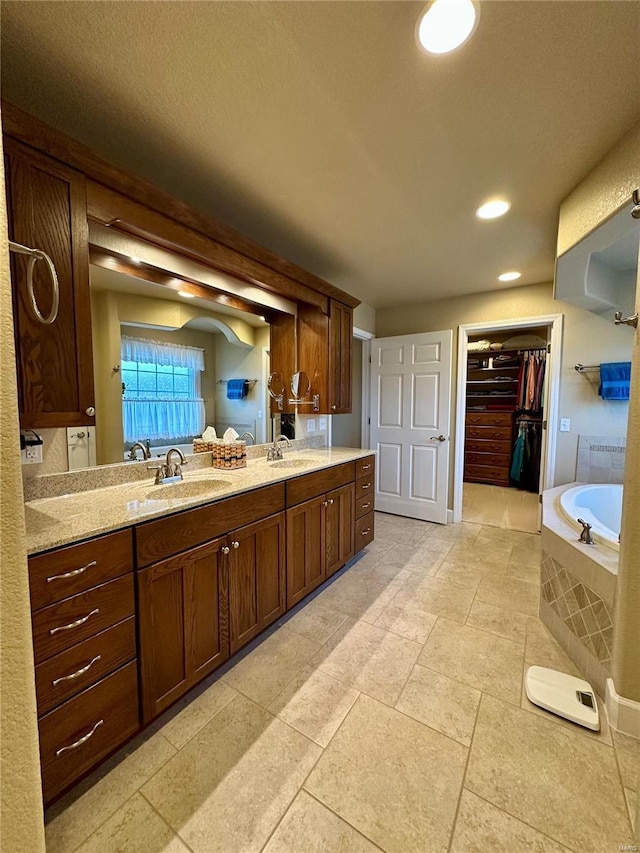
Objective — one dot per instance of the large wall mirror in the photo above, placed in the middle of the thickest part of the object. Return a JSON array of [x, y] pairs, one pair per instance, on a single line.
[[167, 364]]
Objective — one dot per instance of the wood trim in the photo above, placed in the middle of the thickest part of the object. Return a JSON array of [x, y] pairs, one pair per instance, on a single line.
[[36, 133], [308, 486]]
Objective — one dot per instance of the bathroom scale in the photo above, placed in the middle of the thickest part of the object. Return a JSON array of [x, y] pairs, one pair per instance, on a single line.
[[564, 695]]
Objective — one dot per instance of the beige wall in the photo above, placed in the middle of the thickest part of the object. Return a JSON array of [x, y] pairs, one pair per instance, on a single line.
[[603, 191], [234, 362], [346, 430], [588, 339], [21, 818], [364, 317]]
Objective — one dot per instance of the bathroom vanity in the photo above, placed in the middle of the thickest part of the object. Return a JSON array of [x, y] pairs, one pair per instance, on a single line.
[[138, 591]]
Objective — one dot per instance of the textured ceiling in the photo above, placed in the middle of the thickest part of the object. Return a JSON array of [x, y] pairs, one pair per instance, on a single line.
[[321, 131]]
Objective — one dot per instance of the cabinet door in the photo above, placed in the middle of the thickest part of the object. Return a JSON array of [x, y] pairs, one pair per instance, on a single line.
[[339, 527], [340, 354], [306, 560], [47, 211], [256, 578], [183, 619]]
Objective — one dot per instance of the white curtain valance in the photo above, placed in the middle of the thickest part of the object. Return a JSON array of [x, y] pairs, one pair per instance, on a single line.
[[146, 351], [162, 418]]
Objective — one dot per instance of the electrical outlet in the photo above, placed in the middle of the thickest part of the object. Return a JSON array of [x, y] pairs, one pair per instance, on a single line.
[[322, 424], [311, 425], [32, 454], [565, 424]]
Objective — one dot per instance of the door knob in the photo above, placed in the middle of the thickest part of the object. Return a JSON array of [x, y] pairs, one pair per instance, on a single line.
[[90, 411], [437, 438]]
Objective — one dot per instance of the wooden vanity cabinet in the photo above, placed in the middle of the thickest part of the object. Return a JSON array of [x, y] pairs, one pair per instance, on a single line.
[[324, 352], [46, 207]]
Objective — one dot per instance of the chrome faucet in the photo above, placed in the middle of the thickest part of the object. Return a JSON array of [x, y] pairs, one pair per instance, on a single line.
[[585, 536], [167, 471], [251, 436], [133, 454], [275, 451]]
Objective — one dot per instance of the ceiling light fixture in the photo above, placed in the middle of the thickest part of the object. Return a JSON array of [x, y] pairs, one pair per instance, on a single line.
[[446, 25], [509, 276], [262, 318], [493, 209], [135, 260], [186, 295]]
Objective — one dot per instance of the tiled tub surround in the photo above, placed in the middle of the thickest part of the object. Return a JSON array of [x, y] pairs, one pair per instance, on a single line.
[[577, 593], [601, 459]]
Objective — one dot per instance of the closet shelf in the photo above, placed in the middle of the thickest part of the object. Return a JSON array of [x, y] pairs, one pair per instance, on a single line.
[[491, 381], [494, 369]]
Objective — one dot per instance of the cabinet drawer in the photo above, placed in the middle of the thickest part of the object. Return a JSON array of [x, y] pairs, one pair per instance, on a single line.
[[364, 504], [364, 531], [75, 669], [60, 626], [499, 460], [489, 418], [489, 432], [307, 486], [158, 540], [365, 486], [484, 473], [479, 445], [66, 571], [365, 467], [78, 734]]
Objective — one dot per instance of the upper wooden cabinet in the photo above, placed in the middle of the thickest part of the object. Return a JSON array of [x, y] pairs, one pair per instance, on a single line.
[[324, 348], [46, 204]]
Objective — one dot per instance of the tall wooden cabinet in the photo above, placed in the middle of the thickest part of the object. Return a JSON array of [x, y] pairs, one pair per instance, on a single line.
[[46, 203], [324, 351]]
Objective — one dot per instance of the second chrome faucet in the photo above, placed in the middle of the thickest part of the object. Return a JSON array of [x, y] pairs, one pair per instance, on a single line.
[[168, 471]]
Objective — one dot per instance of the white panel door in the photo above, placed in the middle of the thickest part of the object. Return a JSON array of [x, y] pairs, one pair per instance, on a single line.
[[410, 418]]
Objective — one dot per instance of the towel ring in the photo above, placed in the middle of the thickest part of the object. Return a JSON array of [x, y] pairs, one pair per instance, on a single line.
[[37, 255]]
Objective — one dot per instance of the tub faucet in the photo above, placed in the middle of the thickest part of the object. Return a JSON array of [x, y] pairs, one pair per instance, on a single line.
[[275, 451], [585, 536]]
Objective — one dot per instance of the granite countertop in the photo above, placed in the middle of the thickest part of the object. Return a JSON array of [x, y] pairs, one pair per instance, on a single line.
[[56, 521]]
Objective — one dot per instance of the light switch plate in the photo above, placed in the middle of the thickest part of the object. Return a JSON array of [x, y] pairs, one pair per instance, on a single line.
[[565, 424], [311, 425], [322, 424]]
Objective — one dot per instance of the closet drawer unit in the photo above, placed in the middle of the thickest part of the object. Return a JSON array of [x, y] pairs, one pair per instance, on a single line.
[[366, 467], [489, 418], [487, 474], [364, 504], [87, 728], [499, 460], [62, 625], [487, 446], [364, 531], [67, 571], [502, 433], [77, 668]]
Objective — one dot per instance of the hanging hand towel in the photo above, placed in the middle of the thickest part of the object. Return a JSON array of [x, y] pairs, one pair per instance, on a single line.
[[615, 378], [237, 389]]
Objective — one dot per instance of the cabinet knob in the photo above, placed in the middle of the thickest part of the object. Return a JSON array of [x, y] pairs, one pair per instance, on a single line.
[[235, 544], [225, 549], [331, 501], [90, 411], [334, 408]]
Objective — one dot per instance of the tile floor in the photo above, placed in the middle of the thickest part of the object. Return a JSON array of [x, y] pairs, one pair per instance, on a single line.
[[499, 506], [386, 714]]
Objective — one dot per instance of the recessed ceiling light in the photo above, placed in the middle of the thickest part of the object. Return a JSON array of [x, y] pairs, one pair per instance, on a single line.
[[186, 295], [493, 209], [509, 276], [446, 25]]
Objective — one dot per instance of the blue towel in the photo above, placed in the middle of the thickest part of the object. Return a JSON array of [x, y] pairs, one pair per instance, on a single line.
[[615, 379], [237, 389]]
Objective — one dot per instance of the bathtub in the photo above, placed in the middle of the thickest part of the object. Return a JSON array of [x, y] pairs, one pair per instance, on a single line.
[[598, 505]]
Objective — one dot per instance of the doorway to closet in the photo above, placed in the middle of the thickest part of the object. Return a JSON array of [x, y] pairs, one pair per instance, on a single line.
[[507, 387]]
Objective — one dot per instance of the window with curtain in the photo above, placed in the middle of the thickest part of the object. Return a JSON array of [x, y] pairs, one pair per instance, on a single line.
[[162, 397]]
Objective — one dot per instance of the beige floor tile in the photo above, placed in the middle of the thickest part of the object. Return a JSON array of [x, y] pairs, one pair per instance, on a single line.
[[529, 572], [454, 533], [368, 658], [76, 816], [316, 622], [134, 828], [263, 673], [228, 788], [542, 650], [500, 507], [362, 597], [476, 658], [482, 828], [530, 553], [505, 623], [485, 556], [193, 713], [382, 570], [461, 572], [440, 703], [428, 558], [628, 752], [310, 827], [537, 771], [392, 778], [632, 805], [511, 594], [407, 621], [436, 596], [314, 704]]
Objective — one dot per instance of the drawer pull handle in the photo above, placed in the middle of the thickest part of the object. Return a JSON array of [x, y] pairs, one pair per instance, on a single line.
[[78, 672], [367, 505], [366, 467], [367, 486], [73, 573], [366, 532], [75, 624], [80, 741]]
